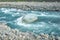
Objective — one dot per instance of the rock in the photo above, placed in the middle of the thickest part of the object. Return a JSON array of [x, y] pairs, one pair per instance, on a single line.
[[14, 34], [29, 18], [58, 38], [3, 26]]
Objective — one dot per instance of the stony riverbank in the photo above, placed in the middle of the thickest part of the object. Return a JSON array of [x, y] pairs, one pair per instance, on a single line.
[[54, 6], [6, 33]]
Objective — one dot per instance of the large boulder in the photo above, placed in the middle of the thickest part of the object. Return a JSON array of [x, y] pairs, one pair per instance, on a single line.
[[29, 18]]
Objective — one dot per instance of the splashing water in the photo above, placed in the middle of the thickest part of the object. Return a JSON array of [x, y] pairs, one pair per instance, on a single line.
[[48, 21]]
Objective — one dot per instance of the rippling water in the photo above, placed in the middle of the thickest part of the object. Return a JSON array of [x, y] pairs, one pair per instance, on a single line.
[[48, 21]]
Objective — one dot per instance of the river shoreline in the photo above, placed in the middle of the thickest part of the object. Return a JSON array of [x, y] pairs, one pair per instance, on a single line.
[[50, 6], [6, 33]]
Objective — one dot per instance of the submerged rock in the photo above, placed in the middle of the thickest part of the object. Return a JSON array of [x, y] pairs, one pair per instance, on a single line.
[[29, 18]]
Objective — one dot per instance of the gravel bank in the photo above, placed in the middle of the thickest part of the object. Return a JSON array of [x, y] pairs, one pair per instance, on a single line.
[[54, 6], [7, 33]]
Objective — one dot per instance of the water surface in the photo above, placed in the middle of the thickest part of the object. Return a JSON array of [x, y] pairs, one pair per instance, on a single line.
[[48, 21]]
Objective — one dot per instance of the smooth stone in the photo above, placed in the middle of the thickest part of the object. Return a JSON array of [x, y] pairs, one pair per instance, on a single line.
[[29, 18]]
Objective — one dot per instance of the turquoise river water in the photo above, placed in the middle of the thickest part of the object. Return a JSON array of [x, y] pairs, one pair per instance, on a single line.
[[48, 21]]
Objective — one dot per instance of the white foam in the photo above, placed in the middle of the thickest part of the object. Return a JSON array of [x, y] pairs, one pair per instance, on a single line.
[[3, 9], [8, 10], [19, 22], [52, 33], [13, 9], [15, 14], [57, 16], [19, 10]]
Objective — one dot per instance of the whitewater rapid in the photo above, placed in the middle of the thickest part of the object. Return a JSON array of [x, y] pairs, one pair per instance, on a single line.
[[48, 21]]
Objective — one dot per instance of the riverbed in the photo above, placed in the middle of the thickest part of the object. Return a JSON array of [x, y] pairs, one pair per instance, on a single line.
[[48, 21]]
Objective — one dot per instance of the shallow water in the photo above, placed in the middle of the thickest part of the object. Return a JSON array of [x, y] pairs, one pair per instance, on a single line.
[[48, 21]]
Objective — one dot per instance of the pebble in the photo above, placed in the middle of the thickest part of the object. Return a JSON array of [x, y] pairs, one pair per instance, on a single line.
[[15, 34]]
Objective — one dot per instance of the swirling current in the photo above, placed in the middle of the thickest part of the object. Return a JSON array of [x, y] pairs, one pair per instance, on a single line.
[[48, 21]]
